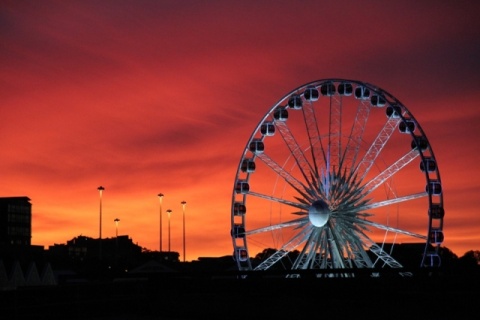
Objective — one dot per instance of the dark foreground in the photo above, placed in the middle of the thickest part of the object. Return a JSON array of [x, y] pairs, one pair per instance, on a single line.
[[268, 296]]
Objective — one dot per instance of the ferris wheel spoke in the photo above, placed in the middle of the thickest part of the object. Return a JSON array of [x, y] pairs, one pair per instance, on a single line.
[[336, 244], [289, 246], [307, 255], [380, 253], [395, 230], [359, 255], [354, 252], [287, 224], [392, 201], [376, 148], [334, 251], [335, 133], [291, 180], [316, 145], [323, 260], [279, 200], [390, 171], [355, 138], [315, 259], [315, 255], [304, 166]]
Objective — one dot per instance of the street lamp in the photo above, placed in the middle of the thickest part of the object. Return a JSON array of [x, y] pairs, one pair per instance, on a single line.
[[116, 226], [160, 198], [184, 203], [169, 212], [100, 190]]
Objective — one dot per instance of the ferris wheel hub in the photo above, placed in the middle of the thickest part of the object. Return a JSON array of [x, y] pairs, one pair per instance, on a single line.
[[319, 213]]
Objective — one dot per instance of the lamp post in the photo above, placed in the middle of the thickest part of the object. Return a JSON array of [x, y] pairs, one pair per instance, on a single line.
[[116, 236], [160, 198], [116, 226], [169, 212], [100, 190], [184, 203]]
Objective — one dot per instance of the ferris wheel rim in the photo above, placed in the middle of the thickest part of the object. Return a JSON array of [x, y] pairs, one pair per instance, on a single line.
[[241, 253]]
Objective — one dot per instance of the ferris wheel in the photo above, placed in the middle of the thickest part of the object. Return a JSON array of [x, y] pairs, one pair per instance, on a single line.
[[337, 175]]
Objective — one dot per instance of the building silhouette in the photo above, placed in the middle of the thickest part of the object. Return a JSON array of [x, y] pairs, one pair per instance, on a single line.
[[15, 221], [82, 249], [16, 232]]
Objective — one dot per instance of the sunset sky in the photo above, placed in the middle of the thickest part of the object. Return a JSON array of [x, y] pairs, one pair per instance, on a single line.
[[143, 97]]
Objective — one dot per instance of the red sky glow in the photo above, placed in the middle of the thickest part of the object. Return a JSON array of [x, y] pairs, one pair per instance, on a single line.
[[144, 97]]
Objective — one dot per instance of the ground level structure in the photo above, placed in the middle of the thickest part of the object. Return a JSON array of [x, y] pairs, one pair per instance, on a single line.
[[227, 296]]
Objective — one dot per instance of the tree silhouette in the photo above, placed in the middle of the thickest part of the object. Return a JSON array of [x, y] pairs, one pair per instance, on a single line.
[[470, 259]]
